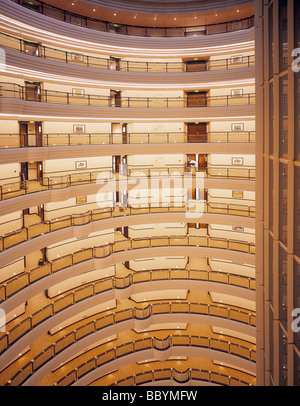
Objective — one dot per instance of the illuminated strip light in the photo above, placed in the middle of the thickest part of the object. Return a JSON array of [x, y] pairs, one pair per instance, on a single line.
[[154, 51], [51, 77], [131, 118]]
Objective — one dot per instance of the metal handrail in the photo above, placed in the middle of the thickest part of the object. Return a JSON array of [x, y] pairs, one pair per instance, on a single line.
[[13, 140], [49, 267], [17, 188], [126, 314], [15, 91], [172, 373], [35, 230], [152, 342], [106, 26], [75, 58]]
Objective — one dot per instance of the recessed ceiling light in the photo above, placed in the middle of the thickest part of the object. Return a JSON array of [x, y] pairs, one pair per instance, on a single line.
[[238, 11], [174, 18], [115, 14], [94, 9]]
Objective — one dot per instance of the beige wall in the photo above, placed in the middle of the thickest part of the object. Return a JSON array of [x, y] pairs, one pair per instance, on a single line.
[[158, 263]]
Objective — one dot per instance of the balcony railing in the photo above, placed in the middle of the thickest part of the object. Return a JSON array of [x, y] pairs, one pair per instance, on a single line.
[[14, 140], [14, 91], [156, 375], [104, 321], [155, 343], [18, 282], [19, 188], [73, 58], [100, 25], [44, 227]]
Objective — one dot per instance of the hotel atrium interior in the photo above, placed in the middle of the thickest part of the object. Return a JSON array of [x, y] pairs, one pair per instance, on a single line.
[[149, 193]]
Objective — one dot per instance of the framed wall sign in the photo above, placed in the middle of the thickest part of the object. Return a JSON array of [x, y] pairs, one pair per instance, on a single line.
[[81, 199], [78, 92], [237, 92], [80, 164], [78, 128], [238, 194], [237, 161], [236, 59], [237, 127]]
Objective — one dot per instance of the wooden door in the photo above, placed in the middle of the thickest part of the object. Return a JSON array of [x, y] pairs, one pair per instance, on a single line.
[[23, 131], [124, 133], [33, 91], [38, 134], [114, 63], [197, 132], [202, 162], [39, 171], [41, 212], [196, 99], [196, 66], [24, 171], [116, 160], [32, 48], [116, 98]]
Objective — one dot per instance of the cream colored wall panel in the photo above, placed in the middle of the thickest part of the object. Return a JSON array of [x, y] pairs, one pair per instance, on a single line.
[[157, 230], [158, 263], [83, 279], [72, 206], [157, 161], [232, 267], [232, 301], [171, 294], [10, 222], [15, 313], [12, 269], [76, 244], [82, 315], [67, 127], [66, 166], [215, 126], [232, 333], [228, 160], [232, 232], [9, 173]]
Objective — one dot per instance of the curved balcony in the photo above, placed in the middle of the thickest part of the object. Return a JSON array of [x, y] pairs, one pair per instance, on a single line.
[[17, 284], [44, 227], [166, 375], [38, 28], [19, 188], [126, 246], [14, 140], [83, 60], [102, 325], [106, 26], [14, 91], [184, 341]]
